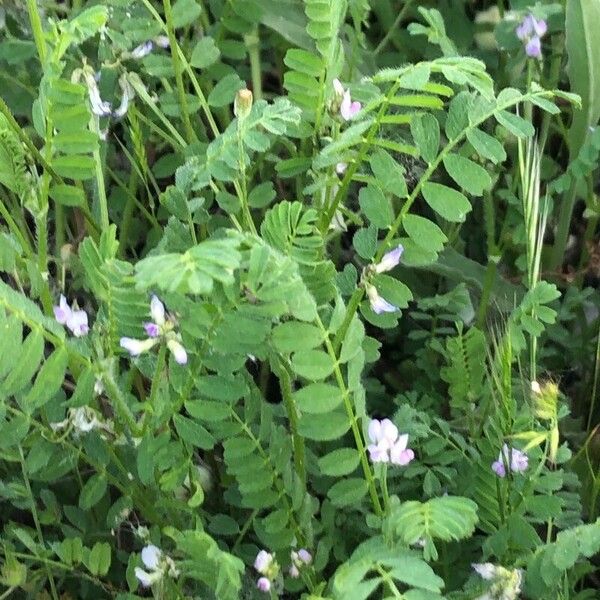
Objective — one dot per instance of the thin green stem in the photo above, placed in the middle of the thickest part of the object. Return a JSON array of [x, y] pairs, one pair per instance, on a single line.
[[38, 31], [285, 385], [99, 172], [358, 440], [391, 30], [252, 41], [594, 384], [183, 105], [36, 519]]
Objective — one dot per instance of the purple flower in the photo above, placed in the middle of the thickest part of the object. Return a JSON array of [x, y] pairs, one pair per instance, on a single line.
[[516, 460], [75, 320], [378, 304], [152, 329], [530, 31], [263, 584], [390, 260], [386, 444], [533, 48]]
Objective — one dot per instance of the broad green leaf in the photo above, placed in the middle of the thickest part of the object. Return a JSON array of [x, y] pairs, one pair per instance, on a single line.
[[339, 462], [468, 174], [515, 124], [205, 53], [185, 12], [426, 134], [389, 174], [347, 492], [376, 206], [424, 233], [93, 490], [582, 24], [67, 195], [293, 336], [448, 203], [193, 433], [393, 291], [486, 145], [365, 241], [312, 364], [303, 62], [82, 142], [224, 92], [48, 380], [30, 355], [74, 167], [318, 398], [13, 431], [98, 561], [323, 428]]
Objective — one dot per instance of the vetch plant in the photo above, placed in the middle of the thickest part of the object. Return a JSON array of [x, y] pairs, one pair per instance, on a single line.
[[219, 263]]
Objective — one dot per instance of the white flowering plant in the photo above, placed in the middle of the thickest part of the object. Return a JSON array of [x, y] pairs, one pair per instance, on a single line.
[[293, 303]]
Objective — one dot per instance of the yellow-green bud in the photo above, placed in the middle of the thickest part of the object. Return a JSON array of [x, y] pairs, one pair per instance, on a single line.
[[242, 104]]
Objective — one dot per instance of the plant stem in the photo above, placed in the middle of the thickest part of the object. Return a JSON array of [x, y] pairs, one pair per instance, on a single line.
[[358, 440], [595, 383], [252, 41], [38, 31], [183, 106], [36, 519], [285, 385], [392, 29]]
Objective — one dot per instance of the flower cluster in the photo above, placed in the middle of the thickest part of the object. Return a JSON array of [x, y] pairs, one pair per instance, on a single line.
[[348, 108], [266, 565], [530, 31], [161, 328], [300, 559], [505, 583], [103, 108], [75, 320], [387, 446], [389, 260], [157, 565], [516, 461]]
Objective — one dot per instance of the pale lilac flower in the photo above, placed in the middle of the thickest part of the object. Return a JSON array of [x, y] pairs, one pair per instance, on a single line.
[[152, 329], [142, 50], [486, 571], [263, 584], [305, 556], [294, 572], [157, 311], [348, 108], [263, 561], [390, 260], [386, 444], [399, 453], [75, 320], [378, 304], [530, 31], [151, 556], [516, 460]]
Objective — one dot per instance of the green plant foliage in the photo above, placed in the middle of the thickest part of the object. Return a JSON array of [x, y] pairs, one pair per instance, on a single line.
[[297, 300]]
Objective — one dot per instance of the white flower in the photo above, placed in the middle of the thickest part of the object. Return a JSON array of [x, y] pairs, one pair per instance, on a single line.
[[99, 107], [142, 50], [147, 579], [263, 584], [348, 108], [127, 94], [157, 311], [486, 571], [162, 41], [263, 561], [151, 555], [178, 351], [84, 419], [136, 347]]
